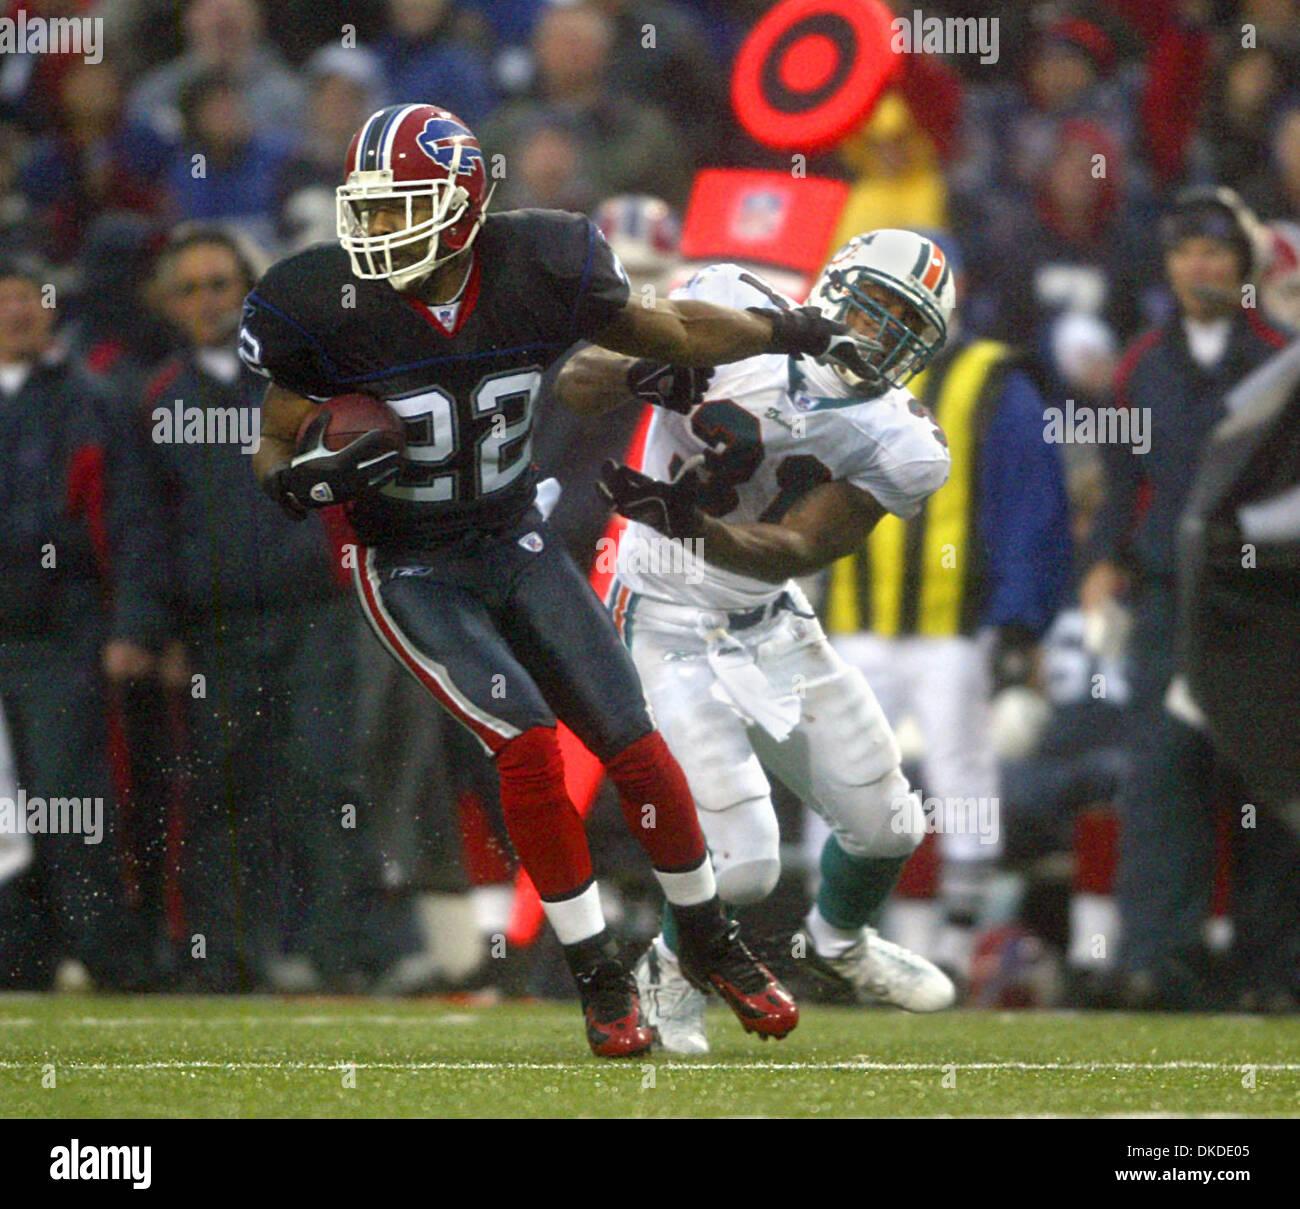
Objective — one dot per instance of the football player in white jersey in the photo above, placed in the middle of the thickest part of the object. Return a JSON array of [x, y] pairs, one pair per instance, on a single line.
[[756, 474]]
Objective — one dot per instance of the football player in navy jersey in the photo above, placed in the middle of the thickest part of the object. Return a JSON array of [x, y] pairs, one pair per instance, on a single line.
[[451, 317]]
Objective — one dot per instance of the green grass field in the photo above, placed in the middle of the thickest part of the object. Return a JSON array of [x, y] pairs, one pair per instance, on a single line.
[[177, 1057]]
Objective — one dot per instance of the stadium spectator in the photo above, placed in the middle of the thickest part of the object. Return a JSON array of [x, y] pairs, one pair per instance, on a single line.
[[250, 612], [898, 179], [550, 172], [660, 55], [30, 79], [1233, 141], [1173, 380], [1075, 251], [427, 60], [116, 340], [622, 146], [226, 36], [224, 170], [1010, 130], [62, 895], [92, 160]]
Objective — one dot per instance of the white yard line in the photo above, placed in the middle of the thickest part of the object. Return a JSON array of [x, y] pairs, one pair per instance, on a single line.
[[674, 1067]]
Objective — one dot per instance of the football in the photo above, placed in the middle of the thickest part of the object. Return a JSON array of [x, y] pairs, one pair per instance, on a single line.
[[352, 416]]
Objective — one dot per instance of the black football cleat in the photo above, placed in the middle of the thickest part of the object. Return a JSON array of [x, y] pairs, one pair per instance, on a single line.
[[723, 963], [615, 1026]]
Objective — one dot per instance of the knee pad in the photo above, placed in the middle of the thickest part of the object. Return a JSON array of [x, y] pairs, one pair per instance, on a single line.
[[745, 846], [747, 882], [882, 819]]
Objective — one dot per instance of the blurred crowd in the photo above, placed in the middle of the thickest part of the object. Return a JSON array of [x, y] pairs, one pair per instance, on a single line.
[[283, 810]]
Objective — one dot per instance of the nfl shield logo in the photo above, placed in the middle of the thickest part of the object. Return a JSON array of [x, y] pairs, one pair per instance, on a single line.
[[531, 541], [803, 402], [759, 215]]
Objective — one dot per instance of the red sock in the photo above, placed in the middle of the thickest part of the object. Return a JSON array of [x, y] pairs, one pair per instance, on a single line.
[[543, 823], [647, 775]]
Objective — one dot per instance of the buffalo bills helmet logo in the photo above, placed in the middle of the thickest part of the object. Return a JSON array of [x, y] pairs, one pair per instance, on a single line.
[[439, 140]]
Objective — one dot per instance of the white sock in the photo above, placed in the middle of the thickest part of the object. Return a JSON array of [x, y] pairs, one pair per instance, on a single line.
[[829, 941], [577, 918], [691, 888]]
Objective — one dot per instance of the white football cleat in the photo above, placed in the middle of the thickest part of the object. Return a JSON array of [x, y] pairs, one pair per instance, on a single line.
[[672, 1007], [880, 971]]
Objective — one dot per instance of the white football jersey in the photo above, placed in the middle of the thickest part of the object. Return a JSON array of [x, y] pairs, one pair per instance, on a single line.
[[783, 435]]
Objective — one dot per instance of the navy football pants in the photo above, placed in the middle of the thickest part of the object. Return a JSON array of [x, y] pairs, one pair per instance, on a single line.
[[507, 634]]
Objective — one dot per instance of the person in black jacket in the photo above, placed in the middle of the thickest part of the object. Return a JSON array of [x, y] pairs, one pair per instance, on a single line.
[[243, 611], [62, 893], [1174, 380]]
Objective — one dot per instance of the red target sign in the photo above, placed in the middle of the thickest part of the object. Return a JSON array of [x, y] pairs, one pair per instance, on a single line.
[[811, 70]]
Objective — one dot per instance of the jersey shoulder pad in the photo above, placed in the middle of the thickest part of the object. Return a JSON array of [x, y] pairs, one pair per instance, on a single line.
[[733, 285], [555, 239], [902, 455], [573, 269], [288, 315], [297, 282]]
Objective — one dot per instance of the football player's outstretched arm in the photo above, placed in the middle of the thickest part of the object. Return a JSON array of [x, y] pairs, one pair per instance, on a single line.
[[282, 415], [831, 521], [690, 333], [683, 331]]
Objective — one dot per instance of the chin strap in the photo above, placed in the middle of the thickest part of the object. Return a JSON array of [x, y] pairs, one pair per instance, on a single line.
[[403, 280]]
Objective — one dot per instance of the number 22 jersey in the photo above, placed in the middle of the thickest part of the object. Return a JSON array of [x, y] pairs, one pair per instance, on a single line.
[[781, 435], [464, 380]]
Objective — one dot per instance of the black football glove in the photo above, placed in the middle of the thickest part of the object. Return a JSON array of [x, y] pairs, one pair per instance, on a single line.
[[805, 331], [669, 508], [318, 477], [274, 486], [675, 387]]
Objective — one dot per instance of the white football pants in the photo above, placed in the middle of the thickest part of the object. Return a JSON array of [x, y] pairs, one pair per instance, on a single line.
[[841, 759]]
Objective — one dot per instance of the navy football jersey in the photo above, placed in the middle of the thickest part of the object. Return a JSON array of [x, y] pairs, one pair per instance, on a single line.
[[541, 280]]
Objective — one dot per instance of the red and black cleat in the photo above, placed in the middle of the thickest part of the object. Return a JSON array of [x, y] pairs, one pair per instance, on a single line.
[[615, 1026], [750, 989]]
